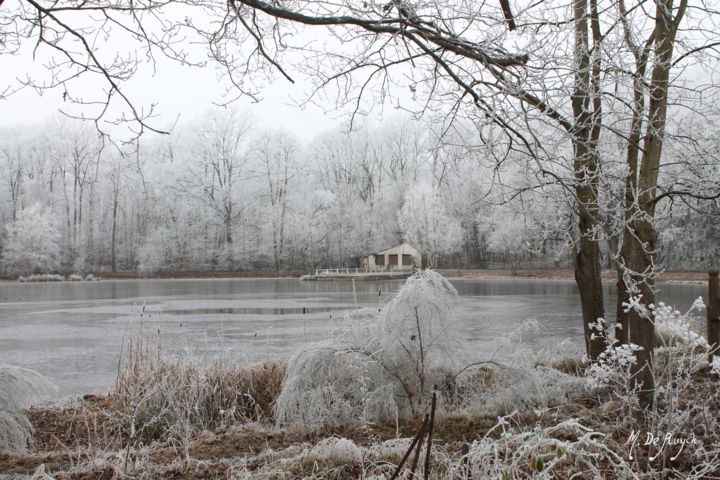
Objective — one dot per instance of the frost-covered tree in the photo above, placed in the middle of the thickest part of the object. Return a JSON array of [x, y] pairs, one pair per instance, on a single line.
[[221, 148], [33, 242], [276, 156], [425, 223], [380, 365]]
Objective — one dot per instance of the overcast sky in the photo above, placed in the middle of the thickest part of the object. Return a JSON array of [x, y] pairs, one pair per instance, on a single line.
[[179, 92]]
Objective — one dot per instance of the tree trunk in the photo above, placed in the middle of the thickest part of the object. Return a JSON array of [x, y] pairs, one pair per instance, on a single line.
[[589, 282], [638, 252], [587, 115], [228, 223], [113, 241]]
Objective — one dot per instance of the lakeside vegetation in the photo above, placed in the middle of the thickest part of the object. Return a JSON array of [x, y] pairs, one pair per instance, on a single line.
[[350, 406]]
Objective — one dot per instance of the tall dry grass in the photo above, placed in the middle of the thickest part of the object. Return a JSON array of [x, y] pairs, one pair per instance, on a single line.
[[159, 397]]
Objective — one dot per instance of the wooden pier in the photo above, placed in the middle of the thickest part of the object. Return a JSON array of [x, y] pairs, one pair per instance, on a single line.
[[325, 274]]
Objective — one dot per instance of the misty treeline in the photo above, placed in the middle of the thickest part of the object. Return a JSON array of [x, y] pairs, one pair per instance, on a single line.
[[222, 194]]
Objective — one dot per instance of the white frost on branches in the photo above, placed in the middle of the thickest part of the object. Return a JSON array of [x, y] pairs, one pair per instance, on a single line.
[[672, 326], [426, 224], [19, 388], [377, 368], [33, 242]]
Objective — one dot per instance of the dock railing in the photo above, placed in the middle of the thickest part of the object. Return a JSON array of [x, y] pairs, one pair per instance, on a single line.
[[339, 271], [320, 272]]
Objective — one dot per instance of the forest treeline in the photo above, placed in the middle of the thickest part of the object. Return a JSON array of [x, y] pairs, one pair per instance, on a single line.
[[224, 195]]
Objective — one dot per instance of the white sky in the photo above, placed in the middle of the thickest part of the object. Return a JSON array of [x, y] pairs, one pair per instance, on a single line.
[[180, 93]]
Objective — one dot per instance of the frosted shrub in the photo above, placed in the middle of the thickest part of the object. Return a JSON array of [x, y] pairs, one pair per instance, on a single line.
[[672, 326], [336, 449], [496, 389], [42, 277], [377, 367], [329, 384], [158, 397], [565, 450], [525, 381], [419, 344], [19, 388], [15, 431], [613, 367]]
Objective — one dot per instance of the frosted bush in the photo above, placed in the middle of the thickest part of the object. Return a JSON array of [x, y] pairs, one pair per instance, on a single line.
[[15, 431], [75, 277], [336, 449], [494, 390], [19, 388], [419, 342], [613, 367], [565, 450], [389, 450], [42, 277], [377, 366], [521, 354], [330, 384], [672, 326]]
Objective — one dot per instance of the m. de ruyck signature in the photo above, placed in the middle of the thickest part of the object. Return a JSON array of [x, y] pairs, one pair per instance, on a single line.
[[661, 442]]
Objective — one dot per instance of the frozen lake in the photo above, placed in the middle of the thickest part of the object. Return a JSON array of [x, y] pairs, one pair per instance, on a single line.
[[72, 332]]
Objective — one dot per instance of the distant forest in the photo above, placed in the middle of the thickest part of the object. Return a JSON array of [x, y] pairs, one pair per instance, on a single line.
[[223, 195]]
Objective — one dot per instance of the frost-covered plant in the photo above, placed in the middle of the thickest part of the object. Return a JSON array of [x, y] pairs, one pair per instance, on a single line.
[[19, 388], [672, 326], [75, 277], [684, 399], [42, 277], [331, 384], [527, 378], [610, 376], [377, 367], [613, 367], [565, 450], [337, 449], [158, 397], [419, 345]]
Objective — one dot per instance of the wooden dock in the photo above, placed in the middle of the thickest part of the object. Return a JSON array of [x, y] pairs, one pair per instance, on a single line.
[[327, 274]]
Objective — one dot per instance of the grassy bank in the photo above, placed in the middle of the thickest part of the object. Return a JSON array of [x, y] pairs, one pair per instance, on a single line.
[[563, 274], [177, 419]]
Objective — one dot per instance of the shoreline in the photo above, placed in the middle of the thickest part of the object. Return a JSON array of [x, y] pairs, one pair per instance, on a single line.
[[565, 274]]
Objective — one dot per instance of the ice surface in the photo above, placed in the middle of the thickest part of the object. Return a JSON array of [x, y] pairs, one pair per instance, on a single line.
[[72, 332]]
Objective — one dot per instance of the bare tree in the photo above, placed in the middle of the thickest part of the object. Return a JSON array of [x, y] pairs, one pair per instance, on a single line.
[[222, 150], [278, 165]]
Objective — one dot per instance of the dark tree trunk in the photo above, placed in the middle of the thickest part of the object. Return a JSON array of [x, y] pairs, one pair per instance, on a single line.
[[113, 244], [587, 114]]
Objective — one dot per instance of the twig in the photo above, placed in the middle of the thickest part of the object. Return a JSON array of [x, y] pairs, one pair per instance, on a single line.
[[430, 433], [416, 459], [410, 449]]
